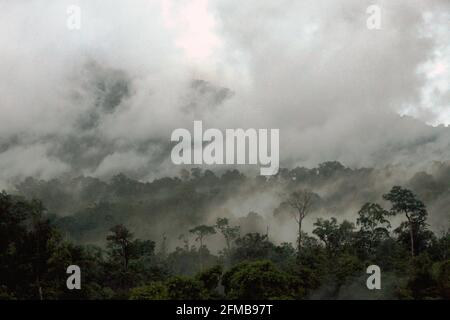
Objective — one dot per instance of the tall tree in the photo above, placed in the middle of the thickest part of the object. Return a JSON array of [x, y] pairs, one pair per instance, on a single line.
[[301, 201], [228, 232], [39, 236], [374, 227], [201, 232], [335, 236], [252, 246], [120, 241], [406, 202]]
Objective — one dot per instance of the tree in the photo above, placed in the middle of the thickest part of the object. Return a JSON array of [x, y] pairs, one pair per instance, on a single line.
[[329, 168], [374, 227], [154, 291], [260, 280], [210, 279], [32, 254], [372, 219], [423, 238], [121, 242], [421, 283], [185, 240], [201, 232], [443, 280], [335, 236], [250, 247], [405, 201], [39, 236], [228, 232], [301, 202], [185, 288]]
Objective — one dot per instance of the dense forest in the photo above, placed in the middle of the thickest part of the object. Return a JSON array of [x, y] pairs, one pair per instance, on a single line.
[[182, 237]]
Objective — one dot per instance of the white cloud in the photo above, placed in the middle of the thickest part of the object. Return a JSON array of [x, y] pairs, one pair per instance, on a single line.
[[310, 68]]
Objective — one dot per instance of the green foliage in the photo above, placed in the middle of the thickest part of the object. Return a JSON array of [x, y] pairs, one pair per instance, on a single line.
[[313, 264], [372, 218], [346, 266], [181, 288], [154, 291], [259, 280], [229, 233], [5, 294], [421, 283], [250, 247], [422, 237], [36, 246], [210, 278], [120, 244], [443, 280], [405, 201], [202, 231], [202, 286], [188, 261], [374, 228], [336, 237]]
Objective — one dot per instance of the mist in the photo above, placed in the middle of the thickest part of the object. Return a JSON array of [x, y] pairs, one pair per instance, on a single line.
[[104, 99]]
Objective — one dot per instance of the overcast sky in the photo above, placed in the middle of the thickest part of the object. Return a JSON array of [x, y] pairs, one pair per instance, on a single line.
[[105, 98]]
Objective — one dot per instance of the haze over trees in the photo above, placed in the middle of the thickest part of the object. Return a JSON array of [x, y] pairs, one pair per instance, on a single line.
[[197, 249]]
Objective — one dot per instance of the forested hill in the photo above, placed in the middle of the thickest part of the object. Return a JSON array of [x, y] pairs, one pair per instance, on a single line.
[[182, 238], [85, 208]]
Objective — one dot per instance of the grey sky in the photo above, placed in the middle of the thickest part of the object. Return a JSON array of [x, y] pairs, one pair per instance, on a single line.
[[105, 98]]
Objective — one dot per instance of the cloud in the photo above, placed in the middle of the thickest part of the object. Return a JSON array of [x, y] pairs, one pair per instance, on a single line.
[[83, 101]]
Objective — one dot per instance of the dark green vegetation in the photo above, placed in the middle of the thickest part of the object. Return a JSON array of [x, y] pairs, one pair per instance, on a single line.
[[136, 240]]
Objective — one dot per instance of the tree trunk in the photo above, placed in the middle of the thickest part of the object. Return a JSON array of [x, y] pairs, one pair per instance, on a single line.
[[299, 244], [38, 282], [41, 295], [201, 253], [411, 235], [125, 258]]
